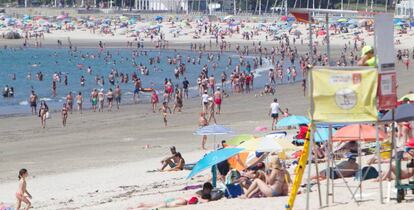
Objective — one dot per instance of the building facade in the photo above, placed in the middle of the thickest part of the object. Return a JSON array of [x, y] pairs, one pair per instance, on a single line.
[[404, 9]]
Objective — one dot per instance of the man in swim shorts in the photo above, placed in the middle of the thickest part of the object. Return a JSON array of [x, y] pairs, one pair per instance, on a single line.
[[94, 99], [33, 102], [218, 99], [274, 112]]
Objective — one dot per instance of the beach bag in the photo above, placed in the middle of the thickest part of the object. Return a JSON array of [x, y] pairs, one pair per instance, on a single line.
[[216, 194], [48, 115], [233, 191], [369, 172]]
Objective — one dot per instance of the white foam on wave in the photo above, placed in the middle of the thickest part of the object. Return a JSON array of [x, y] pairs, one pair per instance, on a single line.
[[23, 103], [46, 99]]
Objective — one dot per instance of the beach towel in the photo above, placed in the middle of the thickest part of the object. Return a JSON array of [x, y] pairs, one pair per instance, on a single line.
[[5, 207], [368, 171]]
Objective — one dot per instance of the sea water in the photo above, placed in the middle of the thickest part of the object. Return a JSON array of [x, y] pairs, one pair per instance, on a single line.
[[22, 62]]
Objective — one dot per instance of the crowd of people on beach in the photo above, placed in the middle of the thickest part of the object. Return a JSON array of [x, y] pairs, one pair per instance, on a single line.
[[284, 64]]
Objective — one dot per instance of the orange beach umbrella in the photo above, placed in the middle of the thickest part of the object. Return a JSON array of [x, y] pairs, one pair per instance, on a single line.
[[358, 132]]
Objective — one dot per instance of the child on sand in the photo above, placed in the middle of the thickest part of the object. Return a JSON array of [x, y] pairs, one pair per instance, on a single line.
[[164, 110], [22, 190]]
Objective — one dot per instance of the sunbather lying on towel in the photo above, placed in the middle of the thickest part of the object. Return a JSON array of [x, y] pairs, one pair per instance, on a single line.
[[203, 197]]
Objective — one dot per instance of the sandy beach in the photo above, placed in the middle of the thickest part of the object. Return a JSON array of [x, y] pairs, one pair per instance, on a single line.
[[101, 160]]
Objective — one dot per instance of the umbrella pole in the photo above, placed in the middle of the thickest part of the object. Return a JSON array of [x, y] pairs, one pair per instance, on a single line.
[[379, 161], [392, 150], [318, 182], [360, 162], [309, 168], [328, 154], [317, 168], [214, 168]]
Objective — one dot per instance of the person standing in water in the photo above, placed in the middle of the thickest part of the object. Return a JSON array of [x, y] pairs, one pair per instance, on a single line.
[[79, 101], [33, 102], [186, 85], [64, 113], [137, 85], [94, 99], [22, 190]]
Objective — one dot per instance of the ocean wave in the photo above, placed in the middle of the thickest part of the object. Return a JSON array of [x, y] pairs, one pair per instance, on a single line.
[[23, 103]]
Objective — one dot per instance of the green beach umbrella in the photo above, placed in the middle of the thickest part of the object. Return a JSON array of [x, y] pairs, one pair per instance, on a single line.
[[239, 139]]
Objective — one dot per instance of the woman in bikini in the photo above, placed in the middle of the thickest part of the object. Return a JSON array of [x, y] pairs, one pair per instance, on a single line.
[[42, 113], [201, 196], [64, 114], [277, 182], [79, 101], [110, 98], [20, 194], [154, 100], [164, 109]]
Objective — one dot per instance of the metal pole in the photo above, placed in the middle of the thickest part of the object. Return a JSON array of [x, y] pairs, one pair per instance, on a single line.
[[328, 159], [392, 150], [379, 160], [260, 7], [328, 47], [309, 167], [360, 161], [310, 38], [234, 7]]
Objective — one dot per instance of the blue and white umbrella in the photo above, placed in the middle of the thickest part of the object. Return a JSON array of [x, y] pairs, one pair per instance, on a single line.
[[213, 130]]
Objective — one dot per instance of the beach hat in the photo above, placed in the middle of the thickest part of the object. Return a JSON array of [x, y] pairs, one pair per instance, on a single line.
[[366, 49]]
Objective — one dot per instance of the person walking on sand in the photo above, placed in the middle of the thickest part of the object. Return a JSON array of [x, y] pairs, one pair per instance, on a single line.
[[154, 100], [178, 101], [218, 98], [204, 101], [33, 102], [274, 112], [202, 122], [43, 110], [69, 102], [110, 98], [64, 113], [79, 101], [101, 99], [117, 94], [163, 111], [94, 99], [22, 190], [211, 109]]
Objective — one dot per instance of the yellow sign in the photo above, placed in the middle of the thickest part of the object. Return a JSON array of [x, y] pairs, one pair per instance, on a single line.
[[343, 95]]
